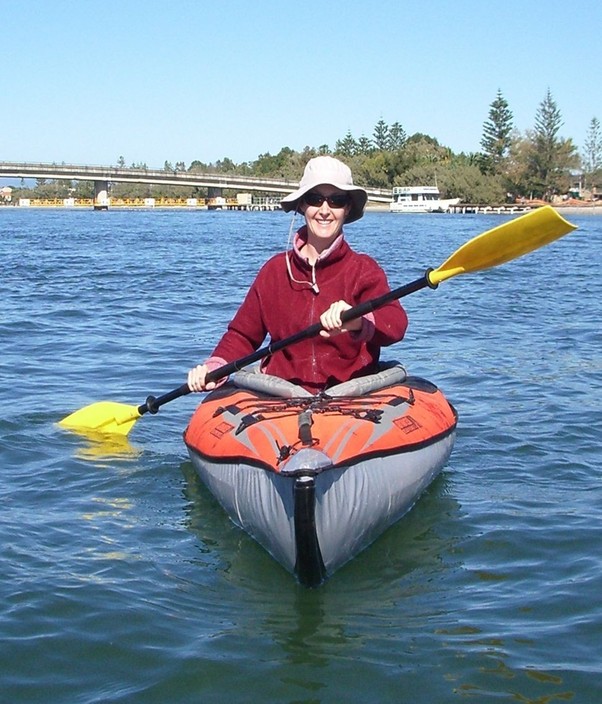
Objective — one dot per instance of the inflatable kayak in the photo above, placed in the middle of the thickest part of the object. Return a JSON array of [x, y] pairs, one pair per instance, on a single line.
[[316, 479]]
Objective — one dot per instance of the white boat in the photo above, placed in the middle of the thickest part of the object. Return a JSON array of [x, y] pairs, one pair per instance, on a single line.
[[419, 199]]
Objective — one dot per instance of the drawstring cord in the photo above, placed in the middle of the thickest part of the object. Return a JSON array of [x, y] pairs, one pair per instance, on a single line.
[[313, 284]]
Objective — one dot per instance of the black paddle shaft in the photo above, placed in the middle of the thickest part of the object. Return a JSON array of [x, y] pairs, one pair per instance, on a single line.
[[153, 403]]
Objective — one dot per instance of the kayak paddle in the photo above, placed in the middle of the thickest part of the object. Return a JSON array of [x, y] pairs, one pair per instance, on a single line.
[[502, 244]]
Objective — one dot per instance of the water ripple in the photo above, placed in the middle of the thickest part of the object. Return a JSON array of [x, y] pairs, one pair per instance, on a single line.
[[123, 581]]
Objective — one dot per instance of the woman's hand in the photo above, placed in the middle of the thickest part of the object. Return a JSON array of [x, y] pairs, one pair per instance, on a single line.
[[332, 323], [196, 379]]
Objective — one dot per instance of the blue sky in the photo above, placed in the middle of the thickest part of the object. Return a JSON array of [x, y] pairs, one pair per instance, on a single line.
[[85, 81]]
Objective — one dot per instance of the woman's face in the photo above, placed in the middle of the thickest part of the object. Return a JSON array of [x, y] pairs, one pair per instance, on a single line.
[[325, 220]]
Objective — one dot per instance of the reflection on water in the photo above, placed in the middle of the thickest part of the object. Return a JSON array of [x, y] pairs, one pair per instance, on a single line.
[[103, 448]]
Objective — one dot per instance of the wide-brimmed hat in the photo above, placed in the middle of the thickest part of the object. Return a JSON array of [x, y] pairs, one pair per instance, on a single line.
[[326, 170]]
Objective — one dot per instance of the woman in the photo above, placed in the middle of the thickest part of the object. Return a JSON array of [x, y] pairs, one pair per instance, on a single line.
[[319, 279]]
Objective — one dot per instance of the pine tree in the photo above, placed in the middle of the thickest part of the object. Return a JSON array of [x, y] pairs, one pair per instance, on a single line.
[[381, 135], [347, 146], [551, 156], [496, 135], [592, 149], [548, 121], [364, 145], [397, 137]]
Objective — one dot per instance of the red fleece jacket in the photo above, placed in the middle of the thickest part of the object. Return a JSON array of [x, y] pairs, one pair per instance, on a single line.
[[278, 307]]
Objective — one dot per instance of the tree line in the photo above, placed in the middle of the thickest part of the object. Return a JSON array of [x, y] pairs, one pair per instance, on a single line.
[[536, 164]]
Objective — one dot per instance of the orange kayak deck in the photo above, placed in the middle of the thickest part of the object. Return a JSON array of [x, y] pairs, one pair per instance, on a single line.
[[240, 425]]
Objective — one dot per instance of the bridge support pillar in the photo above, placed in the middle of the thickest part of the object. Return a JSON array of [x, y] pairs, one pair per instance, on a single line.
[[101, 195], [214, 192]]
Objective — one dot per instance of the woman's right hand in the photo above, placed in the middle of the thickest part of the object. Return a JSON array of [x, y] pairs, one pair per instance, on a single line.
[[196, 379]]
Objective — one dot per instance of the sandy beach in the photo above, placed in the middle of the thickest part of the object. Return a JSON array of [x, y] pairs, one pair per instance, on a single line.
[[579, 209]]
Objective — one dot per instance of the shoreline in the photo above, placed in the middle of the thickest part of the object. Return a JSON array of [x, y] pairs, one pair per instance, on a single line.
[[562, 209], [579, 209], [370, 208]]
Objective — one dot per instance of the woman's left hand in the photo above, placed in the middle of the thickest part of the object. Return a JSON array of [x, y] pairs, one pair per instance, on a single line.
[[332, 323]]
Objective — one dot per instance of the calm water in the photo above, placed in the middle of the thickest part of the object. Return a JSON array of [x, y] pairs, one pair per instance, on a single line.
[[123, 581]]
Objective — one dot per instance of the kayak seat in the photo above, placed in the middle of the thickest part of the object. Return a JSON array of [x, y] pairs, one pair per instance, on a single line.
[[389, 373]]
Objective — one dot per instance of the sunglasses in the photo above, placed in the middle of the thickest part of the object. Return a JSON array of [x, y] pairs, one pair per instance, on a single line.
[[337, 200]]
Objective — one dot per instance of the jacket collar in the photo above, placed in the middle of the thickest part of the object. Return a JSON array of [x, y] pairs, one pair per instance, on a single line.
[[333, 253]]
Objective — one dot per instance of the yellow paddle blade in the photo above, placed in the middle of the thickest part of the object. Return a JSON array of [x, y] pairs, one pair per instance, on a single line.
[[103, 417], [504, 243]]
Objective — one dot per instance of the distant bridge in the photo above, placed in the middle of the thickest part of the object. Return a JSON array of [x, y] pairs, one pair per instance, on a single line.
[[103, 175]]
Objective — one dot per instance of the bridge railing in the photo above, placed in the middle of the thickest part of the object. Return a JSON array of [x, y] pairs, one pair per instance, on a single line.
[[145, 175]]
